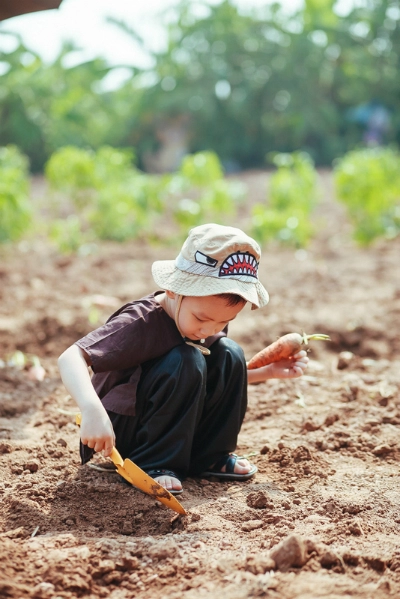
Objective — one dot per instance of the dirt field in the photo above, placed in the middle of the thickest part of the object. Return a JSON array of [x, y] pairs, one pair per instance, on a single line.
[[322, 516]]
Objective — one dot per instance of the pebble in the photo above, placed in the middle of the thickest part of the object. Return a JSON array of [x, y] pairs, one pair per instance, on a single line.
[[330, 559], [32, 466], [252, 525], [6, 447], [381, 450], [292, 551], [258, 500], [356, 529], [344, 360]]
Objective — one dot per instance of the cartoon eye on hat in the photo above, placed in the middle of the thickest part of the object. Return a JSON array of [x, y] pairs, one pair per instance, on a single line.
[[203, 259]]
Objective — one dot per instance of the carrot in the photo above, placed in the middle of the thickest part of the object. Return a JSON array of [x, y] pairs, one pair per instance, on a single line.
[[283, 348]]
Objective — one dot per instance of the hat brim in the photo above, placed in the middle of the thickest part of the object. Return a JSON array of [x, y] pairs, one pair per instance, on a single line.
[[167, 276]]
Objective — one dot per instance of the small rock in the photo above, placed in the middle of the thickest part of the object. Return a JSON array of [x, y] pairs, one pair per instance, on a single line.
[[321, 444], [376, 563], [70, 522], [252, 525], [329, 559], [258, 500], [301, 454], [264, 450], [344, 360], [128, 563], [127, 528], [292, 551], [36, 373], [309, 425], [43, 590], [6, 447], [351, 559], [384, 586], [105, 566], [112, 578], [356, 529], [330, 507], [331, 419], [32, 466], [16, 469], [382, 450], [195, 517], [259, 564]]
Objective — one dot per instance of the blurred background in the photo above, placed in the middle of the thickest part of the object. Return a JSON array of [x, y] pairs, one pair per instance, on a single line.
[[241, 78], [206, 89]]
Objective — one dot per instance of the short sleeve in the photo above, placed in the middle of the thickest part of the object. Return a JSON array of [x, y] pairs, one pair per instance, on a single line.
[[138, 333]]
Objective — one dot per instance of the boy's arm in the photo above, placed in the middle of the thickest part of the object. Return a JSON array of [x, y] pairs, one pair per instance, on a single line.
[[96, 428], [284, 369]]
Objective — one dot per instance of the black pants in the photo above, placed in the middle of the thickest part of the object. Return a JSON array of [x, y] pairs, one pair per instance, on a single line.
[[189, 409]]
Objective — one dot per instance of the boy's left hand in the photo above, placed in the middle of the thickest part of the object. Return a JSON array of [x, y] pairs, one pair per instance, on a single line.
[[289, 368]]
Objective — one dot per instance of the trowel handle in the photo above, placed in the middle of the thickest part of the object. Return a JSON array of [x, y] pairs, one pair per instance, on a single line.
[[116, 457]]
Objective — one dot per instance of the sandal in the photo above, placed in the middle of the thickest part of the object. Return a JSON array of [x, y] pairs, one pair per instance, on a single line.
[[161, 472], [229, 461]]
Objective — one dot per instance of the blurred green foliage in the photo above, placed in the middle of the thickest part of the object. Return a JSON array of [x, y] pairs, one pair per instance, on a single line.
[[44, 107], [102, 195], [110, 197], [291, 199], [201, 169], [209, 196], [368, 183], [15, 212], [248, 83]]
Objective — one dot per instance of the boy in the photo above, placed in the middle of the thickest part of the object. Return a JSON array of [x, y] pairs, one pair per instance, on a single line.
[[169, 388]]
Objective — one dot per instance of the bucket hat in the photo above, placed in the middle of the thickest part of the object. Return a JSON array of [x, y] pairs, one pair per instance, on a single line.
[[214, 259]]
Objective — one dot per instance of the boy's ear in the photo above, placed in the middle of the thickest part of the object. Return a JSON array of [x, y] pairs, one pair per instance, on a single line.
[[170, 294]]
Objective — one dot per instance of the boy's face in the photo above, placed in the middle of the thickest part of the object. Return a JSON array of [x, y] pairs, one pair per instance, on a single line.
[[201, 317]]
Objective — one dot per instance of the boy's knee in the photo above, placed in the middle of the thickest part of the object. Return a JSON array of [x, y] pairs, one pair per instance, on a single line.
[[188, 359], [231, 349]]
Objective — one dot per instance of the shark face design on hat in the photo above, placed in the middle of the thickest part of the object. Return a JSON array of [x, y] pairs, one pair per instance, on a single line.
[[239, 263]]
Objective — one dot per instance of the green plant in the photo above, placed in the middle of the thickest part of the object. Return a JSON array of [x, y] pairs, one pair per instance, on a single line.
[[201, 169], [110, 198], [367, 181], [125, 209], [294, 182], [210, 197], [292, 197], [188, 213], [15, 212], [67, 234], [71, 170]]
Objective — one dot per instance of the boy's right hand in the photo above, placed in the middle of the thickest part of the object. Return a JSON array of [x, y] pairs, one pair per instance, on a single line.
[[97, 431]]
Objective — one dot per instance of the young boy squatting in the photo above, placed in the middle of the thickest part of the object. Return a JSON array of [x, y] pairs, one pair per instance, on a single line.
[[169, 388]]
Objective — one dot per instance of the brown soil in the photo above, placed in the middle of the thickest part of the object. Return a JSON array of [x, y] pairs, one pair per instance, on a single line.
[[322, 516]]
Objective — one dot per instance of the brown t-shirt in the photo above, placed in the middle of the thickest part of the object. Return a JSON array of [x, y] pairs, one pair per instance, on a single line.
[[139, 331]]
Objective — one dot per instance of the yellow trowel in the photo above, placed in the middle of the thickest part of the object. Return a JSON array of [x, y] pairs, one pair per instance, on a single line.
[[138, 478]]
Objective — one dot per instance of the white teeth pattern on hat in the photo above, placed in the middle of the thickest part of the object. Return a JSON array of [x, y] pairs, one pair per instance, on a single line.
[[239, 263]]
